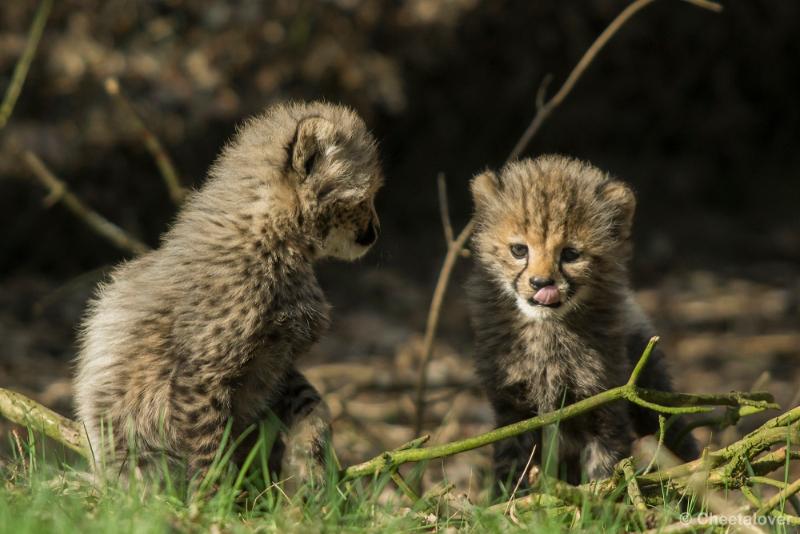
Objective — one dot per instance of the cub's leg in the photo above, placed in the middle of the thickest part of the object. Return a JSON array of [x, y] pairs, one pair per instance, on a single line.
[[511, 455], [609, 440], [201, 408], [308, 431]]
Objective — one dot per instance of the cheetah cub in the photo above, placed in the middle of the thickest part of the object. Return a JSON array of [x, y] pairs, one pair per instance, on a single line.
[[553, 312], [208, 328]]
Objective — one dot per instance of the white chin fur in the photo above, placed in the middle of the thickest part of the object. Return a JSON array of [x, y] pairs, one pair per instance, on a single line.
[[537, 313], [341, 244]]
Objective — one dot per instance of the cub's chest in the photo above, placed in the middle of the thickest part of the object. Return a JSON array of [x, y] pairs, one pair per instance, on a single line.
[[288, 332], [298, 326], [296, 317], [549, 369], [537, 381]]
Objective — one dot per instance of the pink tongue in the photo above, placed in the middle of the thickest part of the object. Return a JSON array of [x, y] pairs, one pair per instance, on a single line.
[[547, 295]]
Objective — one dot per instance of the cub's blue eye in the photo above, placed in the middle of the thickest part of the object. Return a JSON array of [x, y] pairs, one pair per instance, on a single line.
[[519, 251], [569, 254]]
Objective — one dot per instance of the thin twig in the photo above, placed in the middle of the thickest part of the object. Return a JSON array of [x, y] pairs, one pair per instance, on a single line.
[[432, 324], [444, 209], [662, 430], [633, 487], [20, 451], [58, 191], [640, 365], [706, 4], [795, 502], [542, 113], [398, 479], [153, 145], [24, 63], [542, 92], [779, 497], [521, 478]]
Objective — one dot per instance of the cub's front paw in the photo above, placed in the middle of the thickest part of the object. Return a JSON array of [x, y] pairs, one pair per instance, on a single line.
[[303, 464]]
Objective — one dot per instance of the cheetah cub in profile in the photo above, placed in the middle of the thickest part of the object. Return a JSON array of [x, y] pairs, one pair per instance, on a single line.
[[208, 328], [553, 312]]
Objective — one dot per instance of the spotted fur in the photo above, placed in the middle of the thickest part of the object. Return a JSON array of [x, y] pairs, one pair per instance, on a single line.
[[534, 358], [208, 327]]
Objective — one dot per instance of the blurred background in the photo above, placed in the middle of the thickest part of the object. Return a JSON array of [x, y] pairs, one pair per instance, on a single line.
[[698, 111]]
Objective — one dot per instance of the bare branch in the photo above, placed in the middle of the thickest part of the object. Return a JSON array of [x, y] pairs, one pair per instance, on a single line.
[[432, 324], [23, 65], [153, 145], [58, 191], [542, 92], [544, 111], [444, 208], [706, 4]]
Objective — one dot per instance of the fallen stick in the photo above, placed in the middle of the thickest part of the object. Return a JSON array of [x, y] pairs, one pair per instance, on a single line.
[[680, 403], [25, 412]]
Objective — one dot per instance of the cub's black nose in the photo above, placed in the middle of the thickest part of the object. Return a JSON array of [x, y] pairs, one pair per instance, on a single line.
[[538, 282], [368, 236]]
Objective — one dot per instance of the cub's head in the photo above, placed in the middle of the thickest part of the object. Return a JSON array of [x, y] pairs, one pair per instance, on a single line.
[[311, 167], [553, 233], [334, 160]]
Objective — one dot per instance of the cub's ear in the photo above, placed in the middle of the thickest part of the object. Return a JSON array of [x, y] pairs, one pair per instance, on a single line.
[[622, 198], [484, 187], [309, 142]]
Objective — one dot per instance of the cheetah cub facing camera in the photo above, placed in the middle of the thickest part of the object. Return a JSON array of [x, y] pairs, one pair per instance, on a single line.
[[553, 312], [207, 328]]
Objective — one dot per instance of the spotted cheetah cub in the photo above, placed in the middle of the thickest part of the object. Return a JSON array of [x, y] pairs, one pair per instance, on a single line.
[[553, 312], [208, 328]]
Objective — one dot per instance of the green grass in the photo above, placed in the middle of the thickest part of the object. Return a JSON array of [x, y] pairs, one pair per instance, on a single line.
[[45, 490]]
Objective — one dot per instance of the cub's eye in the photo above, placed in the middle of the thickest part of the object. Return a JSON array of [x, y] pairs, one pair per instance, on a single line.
[[569, 254], [519, 251]]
